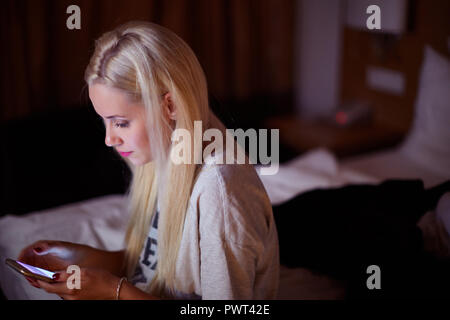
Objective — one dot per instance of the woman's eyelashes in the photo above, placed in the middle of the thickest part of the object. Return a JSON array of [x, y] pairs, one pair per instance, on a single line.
[[121, 124], [118, 124]]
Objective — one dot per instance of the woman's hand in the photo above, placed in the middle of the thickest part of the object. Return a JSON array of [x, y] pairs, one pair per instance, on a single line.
[[58, 255], [95, 284], [52, 255]]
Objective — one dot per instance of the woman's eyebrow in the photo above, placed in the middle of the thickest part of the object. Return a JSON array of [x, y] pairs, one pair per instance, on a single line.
[[115, 116]]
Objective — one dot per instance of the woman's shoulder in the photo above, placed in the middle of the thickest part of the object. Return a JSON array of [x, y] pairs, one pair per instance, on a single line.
[[230, 201], [229, 180]]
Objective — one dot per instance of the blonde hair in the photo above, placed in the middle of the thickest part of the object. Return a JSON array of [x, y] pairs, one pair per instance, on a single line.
[[145, 61]]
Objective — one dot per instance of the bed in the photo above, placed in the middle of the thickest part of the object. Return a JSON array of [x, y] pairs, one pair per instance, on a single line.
[[100, 222], [425, 154]]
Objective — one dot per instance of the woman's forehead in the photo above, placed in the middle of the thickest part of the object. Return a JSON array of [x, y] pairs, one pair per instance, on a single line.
[[109, 102]]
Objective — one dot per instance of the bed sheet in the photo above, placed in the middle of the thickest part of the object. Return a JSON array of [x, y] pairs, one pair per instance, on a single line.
[[318, 168], [393, 163]]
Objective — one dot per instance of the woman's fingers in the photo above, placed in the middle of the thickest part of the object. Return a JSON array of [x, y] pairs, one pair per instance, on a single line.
[[28, 254], [61, 276], [21, 256], [58, 286], [41, 247], [46, 254], [33, 282]]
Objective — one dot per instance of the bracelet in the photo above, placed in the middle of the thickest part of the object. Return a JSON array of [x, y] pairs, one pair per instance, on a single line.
[[119, 285]]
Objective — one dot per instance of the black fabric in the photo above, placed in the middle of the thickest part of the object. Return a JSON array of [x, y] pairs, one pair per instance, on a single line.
[[56, 158], [342, 231]]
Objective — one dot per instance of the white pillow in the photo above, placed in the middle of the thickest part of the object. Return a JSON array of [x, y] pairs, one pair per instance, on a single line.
[[428, 141]]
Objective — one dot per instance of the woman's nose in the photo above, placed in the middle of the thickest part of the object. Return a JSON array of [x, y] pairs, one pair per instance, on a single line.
[[111, 140]]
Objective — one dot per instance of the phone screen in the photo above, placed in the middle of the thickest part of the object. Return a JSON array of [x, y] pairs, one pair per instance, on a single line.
[[36, 270]]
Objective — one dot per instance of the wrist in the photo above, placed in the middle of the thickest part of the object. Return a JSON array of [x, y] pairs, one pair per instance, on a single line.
[[120, 283]]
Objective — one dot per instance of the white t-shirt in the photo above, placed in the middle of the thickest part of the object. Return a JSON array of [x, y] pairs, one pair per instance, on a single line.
[[229, 248]]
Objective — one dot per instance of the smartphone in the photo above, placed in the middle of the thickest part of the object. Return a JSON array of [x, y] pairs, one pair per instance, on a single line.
[[30, 271]]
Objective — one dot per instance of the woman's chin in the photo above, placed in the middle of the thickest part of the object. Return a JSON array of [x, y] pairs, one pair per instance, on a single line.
[[139, 162]]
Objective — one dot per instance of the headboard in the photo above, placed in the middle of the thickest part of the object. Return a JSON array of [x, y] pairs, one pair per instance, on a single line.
[[429, 23]]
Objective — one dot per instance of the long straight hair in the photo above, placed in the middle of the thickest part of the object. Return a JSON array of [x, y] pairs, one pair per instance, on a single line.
[[145, 60]]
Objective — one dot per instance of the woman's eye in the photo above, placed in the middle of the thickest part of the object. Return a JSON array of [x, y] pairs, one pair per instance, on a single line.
[[121, 124]]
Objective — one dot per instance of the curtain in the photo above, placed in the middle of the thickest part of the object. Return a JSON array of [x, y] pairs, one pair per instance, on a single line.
[[244, 46]]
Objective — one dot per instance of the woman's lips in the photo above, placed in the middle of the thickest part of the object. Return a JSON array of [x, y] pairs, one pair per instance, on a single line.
[[125, 154]]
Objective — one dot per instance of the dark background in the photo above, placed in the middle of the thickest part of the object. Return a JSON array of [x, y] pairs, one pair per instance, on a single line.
[[52, 150]]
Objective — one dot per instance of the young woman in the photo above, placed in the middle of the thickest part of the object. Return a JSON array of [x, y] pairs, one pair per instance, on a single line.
[[197, 230]]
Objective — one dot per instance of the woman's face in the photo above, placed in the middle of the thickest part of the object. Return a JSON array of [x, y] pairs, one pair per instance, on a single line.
[[124, 122]]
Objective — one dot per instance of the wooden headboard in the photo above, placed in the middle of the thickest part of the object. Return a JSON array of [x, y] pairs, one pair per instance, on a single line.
[[429, 23]]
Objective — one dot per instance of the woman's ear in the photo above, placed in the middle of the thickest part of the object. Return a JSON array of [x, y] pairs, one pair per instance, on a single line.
[[169, 107]]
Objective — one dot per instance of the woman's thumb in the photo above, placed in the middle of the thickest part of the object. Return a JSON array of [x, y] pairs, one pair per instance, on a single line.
[[40, 248]]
